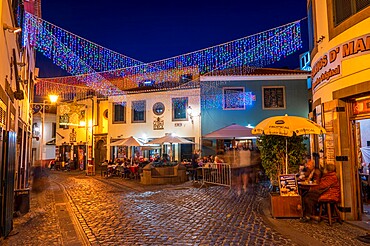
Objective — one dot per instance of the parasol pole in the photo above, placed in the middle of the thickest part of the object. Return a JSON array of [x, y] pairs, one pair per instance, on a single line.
[[286, 156], [171, 152], [234, 147]]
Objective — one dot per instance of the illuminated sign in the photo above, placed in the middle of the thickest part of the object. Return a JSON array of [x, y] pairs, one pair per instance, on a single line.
[[361, 107], [329, 65]]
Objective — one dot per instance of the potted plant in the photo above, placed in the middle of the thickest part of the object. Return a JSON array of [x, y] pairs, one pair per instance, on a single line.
[[273, 155]]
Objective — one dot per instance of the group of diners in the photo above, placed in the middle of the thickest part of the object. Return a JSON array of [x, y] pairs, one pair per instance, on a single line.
[[317, 186], [124, 167]]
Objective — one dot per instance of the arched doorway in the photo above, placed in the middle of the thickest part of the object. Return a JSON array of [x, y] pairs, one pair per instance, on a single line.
[[100, 153]]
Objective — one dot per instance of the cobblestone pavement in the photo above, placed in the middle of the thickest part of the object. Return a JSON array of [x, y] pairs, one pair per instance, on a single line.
[[121, 212]]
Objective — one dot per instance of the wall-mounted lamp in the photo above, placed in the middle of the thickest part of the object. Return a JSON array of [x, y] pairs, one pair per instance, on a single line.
[[320, 39], [35, 130], [190, 113], [11, 29], [53, 98]]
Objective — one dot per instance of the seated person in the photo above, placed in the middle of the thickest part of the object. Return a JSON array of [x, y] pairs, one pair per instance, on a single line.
[[52, 164], [311, 173], [165, 158], [219, 157], [328, 189], [156, 158], [126, 171]]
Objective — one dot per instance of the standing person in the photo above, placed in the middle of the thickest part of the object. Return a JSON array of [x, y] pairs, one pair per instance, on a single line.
[[242, 168], [194, 164]]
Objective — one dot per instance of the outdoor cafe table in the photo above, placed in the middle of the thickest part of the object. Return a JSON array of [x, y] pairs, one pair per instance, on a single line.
[[134, 171], [305, 186]]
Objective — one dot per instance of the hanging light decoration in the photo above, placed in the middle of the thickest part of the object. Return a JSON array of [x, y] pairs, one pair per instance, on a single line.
[[108, 73]]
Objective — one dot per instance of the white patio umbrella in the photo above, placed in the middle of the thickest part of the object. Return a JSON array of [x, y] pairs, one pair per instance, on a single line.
[[118, 142], [233, 131], [132, 142], [170, 139], [129, 142]]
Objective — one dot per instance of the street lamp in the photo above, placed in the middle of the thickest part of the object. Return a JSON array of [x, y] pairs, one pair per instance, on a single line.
[[40, 107]]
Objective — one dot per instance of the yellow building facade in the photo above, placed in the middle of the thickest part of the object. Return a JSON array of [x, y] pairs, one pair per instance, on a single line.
[[340, 51]]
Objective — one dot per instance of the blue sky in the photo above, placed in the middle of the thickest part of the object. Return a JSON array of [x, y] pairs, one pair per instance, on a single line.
[[154, 30]]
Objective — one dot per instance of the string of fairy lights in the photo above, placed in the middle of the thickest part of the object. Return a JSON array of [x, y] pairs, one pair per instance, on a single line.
[[108, 73]]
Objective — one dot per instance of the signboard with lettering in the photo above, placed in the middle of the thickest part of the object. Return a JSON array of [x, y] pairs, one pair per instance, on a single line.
[[288, 185], [329, 65], [361, 107]]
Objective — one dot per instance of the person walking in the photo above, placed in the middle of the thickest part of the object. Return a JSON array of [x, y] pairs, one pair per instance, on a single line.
[[195, 165]]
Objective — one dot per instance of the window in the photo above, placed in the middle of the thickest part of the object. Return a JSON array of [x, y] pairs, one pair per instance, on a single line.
[[179, 107], [138, 111], [119, 113], [273, 97], [53, 130], [311, 27], [343, 9], [233, 98]]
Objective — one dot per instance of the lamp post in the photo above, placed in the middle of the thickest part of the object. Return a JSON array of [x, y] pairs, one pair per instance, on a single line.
[[40, 107]]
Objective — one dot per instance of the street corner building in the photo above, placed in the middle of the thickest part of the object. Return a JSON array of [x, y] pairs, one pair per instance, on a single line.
[[340, 50]]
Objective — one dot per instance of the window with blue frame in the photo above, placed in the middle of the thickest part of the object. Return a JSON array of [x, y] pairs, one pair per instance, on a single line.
[[119, 113], [138, 111], [179, 108]]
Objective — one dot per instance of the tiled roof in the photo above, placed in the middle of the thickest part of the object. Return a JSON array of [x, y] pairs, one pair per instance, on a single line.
[[259, 71], [227, 72]]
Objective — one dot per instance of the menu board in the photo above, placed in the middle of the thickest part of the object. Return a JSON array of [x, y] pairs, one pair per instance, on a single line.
[[288, 185]]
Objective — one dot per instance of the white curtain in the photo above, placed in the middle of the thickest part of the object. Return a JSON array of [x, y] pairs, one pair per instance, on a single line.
[[365, 154]]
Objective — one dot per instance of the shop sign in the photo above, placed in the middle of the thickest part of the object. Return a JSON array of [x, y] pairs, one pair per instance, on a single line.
[[361, 107], [329, 65]]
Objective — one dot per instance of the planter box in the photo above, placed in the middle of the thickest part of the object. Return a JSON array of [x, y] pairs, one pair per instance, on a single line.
[[163, 175], [286, 206]]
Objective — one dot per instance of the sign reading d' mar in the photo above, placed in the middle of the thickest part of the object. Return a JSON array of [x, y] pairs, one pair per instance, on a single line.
[[329, 65]]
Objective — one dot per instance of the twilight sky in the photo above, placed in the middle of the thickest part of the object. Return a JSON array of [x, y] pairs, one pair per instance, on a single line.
[[154, 30]]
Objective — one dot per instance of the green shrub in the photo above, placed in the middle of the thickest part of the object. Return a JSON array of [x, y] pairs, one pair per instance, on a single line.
[[273, 154]]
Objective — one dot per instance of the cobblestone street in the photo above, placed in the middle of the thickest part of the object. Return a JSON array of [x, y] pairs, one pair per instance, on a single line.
[[123, 212]]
